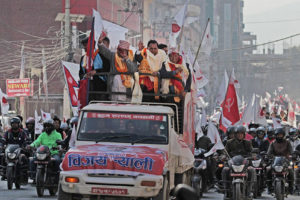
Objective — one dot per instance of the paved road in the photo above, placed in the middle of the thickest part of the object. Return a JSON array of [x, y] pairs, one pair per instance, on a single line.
[[27, 192], [214, 195]]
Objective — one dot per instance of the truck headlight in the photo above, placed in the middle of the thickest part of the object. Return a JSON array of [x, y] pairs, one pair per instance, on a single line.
[[41, 156], [238, 168], [11, 155]]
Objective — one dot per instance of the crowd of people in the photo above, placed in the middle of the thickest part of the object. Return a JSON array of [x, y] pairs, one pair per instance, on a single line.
[[160, 71], [265, 140], [53, 130]]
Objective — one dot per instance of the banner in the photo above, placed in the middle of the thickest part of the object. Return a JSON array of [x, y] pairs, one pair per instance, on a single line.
[[71, 74], [116, 159], [18, 87]]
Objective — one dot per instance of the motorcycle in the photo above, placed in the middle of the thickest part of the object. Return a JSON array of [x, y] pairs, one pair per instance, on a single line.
[[2, 159], [259, 164], [200, 166], [46, 175], [238, 172], [296, 165], [221, 159], [16, 166], [279, 177]]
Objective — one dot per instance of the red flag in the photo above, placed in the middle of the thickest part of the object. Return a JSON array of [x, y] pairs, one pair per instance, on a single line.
[[230, 104], [83, 91]]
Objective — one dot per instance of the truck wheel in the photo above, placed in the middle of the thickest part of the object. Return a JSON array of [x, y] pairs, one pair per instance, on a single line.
[[9, 176], [40, 173], [63, 195], [164, 194]]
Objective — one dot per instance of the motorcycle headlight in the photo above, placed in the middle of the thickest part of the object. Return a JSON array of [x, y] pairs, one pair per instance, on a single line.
[[238, 168], [203, 165], [278, 168], [11, 155], [41, 156], [256, 163]]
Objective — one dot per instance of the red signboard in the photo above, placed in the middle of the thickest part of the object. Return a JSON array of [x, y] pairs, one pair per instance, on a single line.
[[18, 87], [126, 116]]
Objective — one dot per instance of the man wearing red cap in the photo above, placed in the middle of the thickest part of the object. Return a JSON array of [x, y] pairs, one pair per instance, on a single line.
[[120, 61]]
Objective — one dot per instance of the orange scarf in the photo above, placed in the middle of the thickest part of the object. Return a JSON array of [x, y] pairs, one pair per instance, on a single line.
[[178, 86], [122, 67], [144, 79]]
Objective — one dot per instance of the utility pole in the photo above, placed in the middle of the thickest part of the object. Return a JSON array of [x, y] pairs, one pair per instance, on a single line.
[[22, 72], [68, 30], [68, 43], [45, 80]]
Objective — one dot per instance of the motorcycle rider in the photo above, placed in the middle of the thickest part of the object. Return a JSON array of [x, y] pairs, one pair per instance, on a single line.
[[16, 135], [230, 132], [238, 146], [30, 122], [258, 141], [73, 124], [251, 134], [293, 138], [47, 138], [280, 147]]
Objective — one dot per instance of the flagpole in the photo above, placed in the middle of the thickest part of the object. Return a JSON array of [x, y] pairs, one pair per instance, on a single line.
[[182, 27], [200, 42]]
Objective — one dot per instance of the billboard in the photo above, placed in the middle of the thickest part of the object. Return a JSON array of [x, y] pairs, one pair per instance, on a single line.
[[18, 87]]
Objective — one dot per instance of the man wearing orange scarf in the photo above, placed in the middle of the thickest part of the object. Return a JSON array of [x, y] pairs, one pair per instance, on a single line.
[[120, 61], [150, 59], [175, 77]]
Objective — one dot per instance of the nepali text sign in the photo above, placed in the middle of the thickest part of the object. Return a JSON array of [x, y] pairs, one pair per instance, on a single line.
[[18, 87]]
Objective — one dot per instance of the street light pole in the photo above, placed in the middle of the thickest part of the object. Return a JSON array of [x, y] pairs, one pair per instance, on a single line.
[[67, 30]]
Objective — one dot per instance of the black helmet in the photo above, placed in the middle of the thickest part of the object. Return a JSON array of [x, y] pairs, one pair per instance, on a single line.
[[252, 130], [279, 131], [15, 120], [260, 130], [292, 131], [240, 129], [230, 130], [30, 120], [270, 131], [74, 121]]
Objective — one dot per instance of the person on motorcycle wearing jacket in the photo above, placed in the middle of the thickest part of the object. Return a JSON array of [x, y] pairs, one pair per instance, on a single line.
[[67, 141], [30, 122], [234, 147], [204, 142], [259, 141], [230, 132], [15, 135], [47, 138], [293, 138], [280, 147]]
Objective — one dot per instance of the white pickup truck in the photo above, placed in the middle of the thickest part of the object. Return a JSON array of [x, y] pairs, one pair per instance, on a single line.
[[128, 151]]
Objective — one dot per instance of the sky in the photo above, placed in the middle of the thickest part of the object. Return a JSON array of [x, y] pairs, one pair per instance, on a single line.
[[271, 11]]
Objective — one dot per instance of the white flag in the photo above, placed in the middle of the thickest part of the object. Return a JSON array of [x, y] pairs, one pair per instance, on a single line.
[[291, 116], [203, 118], [236, 82], [38, 127], [222, 90], [214, 136], [98, 26], [200, 79], [73, 137], [4, 103], [177, 25], [207, 41], [259, 115], [45, 115], [248, 115], [276, 122]]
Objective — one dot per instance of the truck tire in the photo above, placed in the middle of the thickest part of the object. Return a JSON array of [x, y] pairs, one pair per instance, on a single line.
[[164, 194], [63, 195]]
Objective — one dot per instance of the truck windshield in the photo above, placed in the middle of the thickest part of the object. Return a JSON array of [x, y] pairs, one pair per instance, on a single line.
[[124, 128]]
